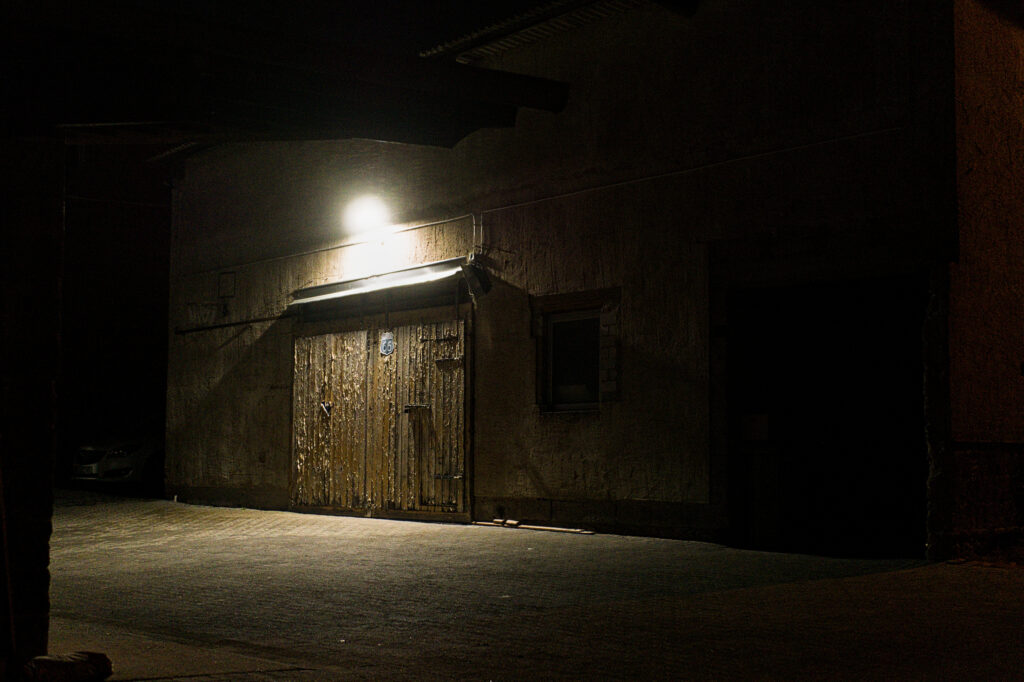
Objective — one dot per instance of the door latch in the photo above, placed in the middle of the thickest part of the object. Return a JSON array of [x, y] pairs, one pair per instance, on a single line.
[[415, 406]]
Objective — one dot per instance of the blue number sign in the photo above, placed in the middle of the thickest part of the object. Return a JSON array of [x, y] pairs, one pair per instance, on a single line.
[[387, 343]]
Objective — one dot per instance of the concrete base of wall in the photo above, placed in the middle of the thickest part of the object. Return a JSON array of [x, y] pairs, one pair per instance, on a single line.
[[629, 517], [988, 515], [254, 498]]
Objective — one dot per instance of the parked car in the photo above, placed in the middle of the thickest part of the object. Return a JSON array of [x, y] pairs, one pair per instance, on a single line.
[[128, 461]]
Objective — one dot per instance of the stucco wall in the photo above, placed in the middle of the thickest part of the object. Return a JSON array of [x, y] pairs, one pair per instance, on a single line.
[[987, 286], [741, 120], [651, 443], [986, 328]]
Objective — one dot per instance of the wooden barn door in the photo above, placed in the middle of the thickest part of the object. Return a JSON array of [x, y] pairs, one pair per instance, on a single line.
[[429, 458], [381, 433], [329, 412]]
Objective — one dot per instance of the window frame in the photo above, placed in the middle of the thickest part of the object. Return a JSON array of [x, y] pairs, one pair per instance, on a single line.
[[548, 387], [600, 304]]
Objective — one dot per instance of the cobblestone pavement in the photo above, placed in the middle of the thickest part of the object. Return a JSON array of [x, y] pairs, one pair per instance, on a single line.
[[255, 595]]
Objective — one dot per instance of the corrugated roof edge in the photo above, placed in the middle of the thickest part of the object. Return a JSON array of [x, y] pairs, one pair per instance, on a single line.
[[543, 21]]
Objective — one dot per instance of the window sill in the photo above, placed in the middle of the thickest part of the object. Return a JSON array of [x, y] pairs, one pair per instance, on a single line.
[[573, 409]]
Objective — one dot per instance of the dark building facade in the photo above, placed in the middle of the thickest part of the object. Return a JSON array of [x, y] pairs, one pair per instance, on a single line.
[[726, 293]]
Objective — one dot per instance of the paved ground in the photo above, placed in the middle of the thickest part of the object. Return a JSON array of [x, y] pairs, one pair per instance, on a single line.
[[185, 592]]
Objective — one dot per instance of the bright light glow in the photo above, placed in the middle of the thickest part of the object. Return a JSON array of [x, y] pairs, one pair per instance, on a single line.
[[367, 214]]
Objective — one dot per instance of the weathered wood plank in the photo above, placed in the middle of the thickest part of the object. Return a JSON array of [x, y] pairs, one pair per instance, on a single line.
[[310, 485], [349, 422], [300, 393], [422, 424], [320, 459], [446, 364], [381, 421], [404, 477]]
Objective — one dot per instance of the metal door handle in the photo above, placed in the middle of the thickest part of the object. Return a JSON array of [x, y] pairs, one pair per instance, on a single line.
[[415, 406]]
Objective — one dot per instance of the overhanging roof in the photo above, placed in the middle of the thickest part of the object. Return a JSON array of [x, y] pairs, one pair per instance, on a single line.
[[102, 72], [436, 272]]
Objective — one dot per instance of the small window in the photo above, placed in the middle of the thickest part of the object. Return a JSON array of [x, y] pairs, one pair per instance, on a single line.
[[573, 360], [577, 349]]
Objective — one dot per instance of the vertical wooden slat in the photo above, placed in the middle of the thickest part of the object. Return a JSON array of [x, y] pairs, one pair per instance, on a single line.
[[393, 456], [440, 367], [320, 455], [373, 417], [332, 393], [358, 404], [349, 421], [441, 426], [381, 423], [335, 460], [458, 379], [400, 492], [312, 430], [299, 426], [313, 439], [423, 422], [448, 368]]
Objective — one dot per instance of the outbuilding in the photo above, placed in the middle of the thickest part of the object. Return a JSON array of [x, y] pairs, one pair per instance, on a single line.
[[723, 293]]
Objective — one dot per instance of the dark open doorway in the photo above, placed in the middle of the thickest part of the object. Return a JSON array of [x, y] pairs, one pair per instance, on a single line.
[[826, 430]]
